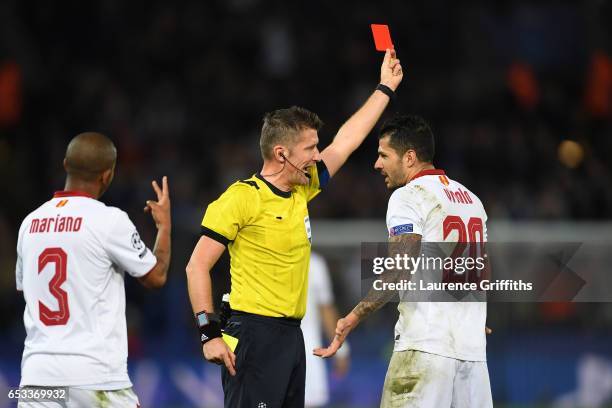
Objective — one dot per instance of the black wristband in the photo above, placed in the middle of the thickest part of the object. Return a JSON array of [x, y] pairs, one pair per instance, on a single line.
[[211, 329], [386, 90], [209, 332]]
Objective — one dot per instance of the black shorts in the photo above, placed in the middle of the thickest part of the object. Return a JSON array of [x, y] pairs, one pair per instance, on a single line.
[[270, 363]]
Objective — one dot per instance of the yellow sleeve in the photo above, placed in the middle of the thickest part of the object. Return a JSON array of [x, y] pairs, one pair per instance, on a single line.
[[319, 177], [225, 216]]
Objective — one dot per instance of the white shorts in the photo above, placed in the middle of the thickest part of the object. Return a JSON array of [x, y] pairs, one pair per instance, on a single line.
[[418, 379], [316, 392], [78, 398]]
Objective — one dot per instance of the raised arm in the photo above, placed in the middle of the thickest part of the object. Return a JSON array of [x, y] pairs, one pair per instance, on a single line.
[[160, 211], [355, 130]]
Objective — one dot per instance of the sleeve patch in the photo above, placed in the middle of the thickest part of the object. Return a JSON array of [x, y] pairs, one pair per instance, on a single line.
[[138, 245], [323, 174], [400, 229]]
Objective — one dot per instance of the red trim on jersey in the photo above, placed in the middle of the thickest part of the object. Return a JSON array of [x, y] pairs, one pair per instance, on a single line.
[[72, 194], [430, 172]]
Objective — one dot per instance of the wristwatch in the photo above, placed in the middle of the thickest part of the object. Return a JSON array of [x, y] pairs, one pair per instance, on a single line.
[[208, 325]]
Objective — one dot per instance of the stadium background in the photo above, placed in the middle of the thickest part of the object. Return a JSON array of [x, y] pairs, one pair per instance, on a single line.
[[181, 88]]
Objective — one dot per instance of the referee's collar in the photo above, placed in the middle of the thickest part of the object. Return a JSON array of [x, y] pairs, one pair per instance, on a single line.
[[275, 190]]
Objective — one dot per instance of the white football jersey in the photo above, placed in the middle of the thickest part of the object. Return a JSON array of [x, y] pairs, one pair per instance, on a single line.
[[72, 253], [440, 210]]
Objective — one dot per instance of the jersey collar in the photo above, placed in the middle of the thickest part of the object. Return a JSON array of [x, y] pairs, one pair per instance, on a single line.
[[430, 172], [275, 190], [65, 193]]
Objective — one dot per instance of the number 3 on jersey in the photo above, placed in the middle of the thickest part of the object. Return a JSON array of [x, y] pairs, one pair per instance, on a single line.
[[58, 317]]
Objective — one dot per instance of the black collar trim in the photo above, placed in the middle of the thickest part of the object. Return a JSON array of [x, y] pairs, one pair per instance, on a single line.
[[275, 190]]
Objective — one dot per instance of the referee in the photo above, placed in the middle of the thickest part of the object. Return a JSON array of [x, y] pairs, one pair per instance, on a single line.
[[264, 223]]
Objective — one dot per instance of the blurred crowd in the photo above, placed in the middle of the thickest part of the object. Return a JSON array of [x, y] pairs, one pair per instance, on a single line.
[[182, 87]]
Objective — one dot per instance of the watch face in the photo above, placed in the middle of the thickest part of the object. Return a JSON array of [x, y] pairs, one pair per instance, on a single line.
[[202, 319]]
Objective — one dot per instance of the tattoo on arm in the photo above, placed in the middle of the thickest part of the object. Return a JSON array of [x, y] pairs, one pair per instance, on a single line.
[[409, 244]]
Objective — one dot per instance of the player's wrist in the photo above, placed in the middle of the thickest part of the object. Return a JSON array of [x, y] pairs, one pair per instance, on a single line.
[[164, 228], [352, 319]]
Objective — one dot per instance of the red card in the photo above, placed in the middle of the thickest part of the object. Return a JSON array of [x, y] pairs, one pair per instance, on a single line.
[[382, 37]]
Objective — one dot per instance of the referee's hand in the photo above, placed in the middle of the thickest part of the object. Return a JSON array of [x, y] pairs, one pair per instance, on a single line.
[[391, 73], [217, 351]]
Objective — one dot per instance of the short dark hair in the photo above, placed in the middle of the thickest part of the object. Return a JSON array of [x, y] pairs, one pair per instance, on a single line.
[[410, 132], [284, 125]]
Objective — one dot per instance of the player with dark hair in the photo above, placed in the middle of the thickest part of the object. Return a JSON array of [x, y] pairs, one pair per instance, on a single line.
[[72, 254], [439, 357], [264, 223]]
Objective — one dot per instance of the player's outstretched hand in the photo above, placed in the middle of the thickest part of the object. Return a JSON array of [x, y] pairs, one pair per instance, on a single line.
[[343, 328], [391, 73], [160, 209], [217, 351]]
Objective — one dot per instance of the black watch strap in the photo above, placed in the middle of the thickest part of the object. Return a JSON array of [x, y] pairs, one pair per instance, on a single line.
[[208, 325]]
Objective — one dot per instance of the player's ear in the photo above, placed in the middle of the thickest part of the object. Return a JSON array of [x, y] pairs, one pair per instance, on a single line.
[[409, 158], [65, 166], [107, 176]]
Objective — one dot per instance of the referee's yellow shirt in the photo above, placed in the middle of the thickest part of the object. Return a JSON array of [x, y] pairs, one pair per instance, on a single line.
[[268, 235]]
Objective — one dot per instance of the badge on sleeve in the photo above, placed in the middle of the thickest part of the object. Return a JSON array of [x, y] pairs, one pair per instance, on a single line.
[[400, 229], [138, 245], [308, 231]]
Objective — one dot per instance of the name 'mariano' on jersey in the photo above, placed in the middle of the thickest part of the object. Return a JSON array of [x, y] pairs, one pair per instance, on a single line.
[[72, 253]]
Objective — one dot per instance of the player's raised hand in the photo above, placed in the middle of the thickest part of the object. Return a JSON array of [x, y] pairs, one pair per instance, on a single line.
[[160, 209], [391, 73], [217, 351], [343, 328]]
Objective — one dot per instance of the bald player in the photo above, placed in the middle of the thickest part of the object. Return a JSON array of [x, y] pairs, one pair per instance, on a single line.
[[72, 254]]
